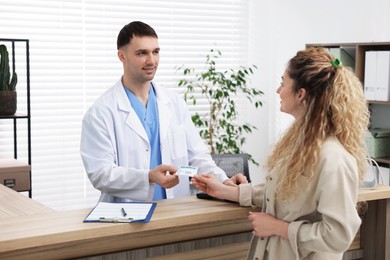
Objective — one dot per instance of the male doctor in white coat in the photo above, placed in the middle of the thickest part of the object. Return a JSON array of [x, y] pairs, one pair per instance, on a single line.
[[137, 133]]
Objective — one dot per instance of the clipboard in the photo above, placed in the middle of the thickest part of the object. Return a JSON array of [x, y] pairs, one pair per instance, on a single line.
[[121, 212]]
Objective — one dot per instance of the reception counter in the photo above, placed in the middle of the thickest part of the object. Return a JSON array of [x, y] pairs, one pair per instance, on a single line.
[[29, 230], [183, 228], [375, 229]]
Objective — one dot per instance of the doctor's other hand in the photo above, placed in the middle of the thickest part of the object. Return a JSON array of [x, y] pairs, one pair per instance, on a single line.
[[236, 180], [164, 175]]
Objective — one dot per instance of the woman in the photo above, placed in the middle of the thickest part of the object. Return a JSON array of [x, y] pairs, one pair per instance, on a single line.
[[309, 198]]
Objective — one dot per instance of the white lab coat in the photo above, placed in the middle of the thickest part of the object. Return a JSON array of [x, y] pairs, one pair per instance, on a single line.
[[116, 152]]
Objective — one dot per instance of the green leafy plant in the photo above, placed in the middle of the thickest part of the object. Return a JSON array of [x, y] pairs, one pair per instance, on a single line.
[[6, 82], [219, 126]]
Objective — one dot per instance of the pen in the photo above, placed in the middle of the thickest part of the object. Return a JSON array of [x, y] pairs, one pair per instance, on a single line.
[[116, 220], [124, 212]]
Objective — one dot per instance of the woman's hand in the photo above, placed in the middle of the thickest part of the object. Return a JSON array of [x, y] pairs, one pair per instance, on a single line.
[[212, 186], [236, 180], [265, 225], [207, 183]]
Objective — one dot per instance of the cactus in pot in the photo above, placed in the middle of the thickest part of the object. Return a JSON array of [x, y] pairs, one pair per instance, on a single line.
[[7, 84]]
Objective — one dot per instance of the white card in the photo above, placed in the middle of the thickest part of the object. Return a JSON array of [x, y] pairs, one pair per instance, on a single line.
[[187, 170]]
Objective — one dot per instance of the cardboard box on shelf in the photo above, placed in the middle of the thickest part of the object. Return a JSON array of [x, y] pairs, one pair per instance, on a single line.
[[15, 174], [378, 142]]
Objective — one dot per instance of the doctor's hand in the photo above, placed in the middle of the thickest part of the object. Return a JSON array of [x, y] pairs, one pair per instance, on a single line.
[[164, 175], [236, 180]]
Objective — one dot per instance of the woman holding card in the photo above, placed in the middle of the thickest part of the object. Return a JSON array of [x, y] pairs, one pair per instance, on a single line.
[[309, 198]]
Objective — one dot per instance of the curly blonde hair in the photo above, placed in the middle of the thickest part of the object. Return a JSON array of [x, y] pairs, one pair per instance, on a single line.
[[335, 106]]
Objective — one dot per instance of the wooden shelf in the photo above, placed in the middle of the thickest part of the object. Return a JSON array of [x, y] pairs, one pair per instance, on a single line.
[[385, 160], [360, 54], [17, 115], [374, 102]]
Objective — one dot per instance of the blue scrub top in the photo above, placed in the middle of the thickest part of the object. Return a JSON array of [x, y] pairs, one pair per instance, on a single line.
[[149, 118]]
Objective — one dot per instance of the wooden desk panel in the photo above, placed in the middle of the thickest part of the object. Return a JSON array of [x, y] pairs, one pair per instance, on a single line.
[[54, 234], [375, 229], [29, 230]]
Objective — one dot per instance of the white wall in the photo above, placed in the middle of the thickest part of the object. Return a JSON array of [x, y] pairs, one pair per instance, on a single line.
[[280, 28]]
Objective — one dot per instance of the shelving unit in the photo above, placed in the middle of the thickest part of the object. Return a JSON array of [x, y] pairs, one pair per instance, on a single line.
[[16, 173], [358, 51], [366, 245]]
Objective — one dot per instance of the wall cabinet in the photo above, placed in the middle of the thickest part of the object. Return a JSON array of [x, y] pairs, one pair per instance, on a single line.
[[354, 56], [15, 166]]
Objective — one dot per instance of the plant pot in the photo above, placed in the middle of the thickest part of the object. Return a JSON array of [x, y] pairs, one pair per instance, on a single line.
[[7, 103]]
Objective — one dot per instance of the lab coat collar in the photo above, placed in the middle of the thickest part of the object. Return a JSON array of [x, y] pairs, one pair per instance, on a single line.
[[132, 119], [164, 113]]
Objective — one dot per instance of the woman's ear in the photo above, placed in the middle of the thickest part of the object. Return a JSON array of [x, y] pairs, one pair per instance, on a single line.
[[302, 94]]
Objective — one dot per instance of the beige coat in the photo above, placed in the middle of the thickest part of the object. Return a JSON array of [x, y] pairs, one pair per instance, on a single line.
[[323, 218]]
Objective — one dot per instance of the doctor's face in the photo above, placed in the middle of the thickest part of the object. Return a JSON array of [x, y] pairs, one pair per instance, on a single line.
[[140, 59]]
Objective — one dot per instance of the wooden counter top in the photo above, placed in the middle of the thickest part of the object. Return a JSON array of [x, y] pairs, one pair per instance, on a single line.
[[380, 192], [29, 230], [51, 235], [13, 204]]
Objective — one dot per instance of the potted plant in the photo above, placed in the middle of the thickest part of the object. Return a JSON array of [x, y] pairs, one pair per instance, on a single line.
[[219, 125], [7, 84]]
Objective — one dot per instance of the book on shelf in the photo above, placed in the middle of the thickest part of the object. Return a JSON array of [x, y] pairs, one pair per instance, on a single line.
[[377, 75]]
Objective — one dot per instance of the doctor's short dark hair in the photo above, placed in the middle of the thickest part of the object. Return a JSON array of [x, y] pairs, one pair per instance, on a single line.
[[132, 29]]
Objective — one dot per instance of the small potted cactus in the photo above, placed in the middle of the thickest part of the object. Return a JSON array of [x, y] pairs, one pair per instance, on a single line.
[[7, 84]]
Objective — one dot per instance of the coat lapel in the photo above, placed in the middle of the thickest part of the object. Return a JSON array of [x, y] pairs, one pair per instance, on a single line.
[[164, 113], [132, 119]]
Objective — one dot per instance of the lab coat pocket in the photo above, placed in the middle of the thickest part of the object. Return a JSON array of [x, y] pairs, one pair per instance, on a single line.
[[177, 142]]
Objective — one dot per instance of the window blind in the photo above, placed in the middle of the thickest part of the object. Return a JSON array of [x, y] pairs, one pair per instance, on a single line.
[[73, 61]]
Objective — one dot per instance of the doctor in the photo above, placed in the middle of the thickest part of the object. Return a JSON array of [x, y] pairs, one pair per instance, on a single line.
[[137, 133]]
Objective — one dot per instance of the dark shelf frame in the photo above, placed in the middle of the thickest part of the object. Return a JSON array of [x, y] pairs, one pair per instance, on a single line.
[[18, 115]]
